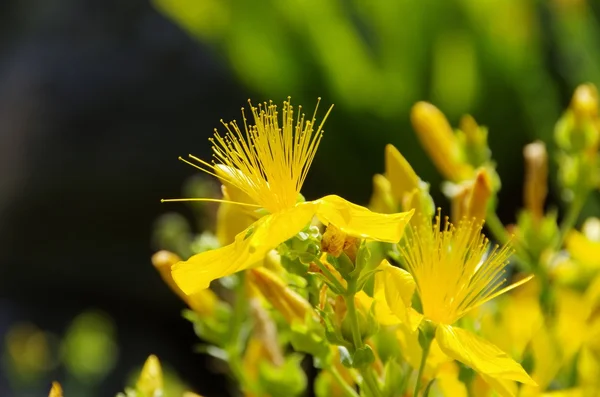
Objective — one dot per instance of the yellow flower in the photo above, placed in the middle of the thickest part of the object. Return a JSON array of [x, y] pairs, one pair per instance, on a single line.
[[585, 247], [269, 163], [439, 141], [56, 390], [453, 274]]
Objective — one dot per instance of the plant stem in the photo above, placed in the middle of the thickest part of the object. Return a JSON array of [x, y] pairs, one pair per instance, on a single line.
[[348, 390], [369, 380], [570, 218], [422, 366], [330, 276], [237, 318], [496, 227]]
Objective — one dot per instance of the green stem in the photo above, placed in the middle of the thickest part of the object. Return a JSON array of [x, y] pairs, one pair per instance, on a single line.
[[500, 234], [369, 380], [568, 222], [496, 227], [422, 366], [348, 390], [330, 276], [232, 347]]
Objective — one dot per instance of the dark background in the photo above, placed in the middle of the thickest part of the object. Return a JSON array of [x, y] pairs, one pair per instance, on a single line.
[[98, 98]]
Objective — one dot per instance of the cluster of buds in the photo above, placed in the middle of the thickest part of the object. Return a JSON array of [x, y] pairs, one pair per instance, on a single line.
[[577, 135], [462, 157]]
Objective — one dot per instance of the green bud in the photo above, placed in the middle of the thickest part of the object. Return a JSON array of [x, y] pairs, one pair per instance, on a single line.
[[363, 357]]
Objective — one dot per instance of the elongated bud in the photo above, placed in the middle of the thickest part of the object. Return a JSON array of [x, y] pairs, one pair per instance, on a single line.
[[150, 382], [470, 199], [382, 200], [263, 345], [474, 143], [439, 141], [56, 390], [202, 302], [162, 261], [292, 306], [480, 195], [398, 171], [536, 178]]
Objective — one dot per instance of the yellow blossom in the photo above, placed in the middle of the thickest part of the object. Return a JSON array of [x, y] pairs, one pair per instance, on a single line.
[[453, 274], [269, 163], [439, 141], [56, 390]]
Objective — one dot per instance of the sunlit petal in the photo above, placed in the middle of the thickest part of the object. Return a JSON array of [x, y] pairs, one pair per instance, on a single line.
[[358, 221], [479, 354], [249, 248]]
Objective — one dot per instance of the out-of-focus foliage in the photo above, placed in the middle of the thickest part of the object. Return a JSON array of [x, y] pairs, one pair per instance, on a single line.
[[513, 62], [86, 353]]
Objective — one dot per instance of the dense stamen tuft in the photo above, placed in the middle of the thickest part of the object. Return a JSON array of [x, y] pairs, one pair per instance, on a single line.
[[267, 160], [454, 269]]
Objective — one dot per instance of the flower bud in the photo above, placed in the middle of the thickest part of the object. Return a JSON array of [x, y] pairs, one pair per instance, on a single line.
[[202, 302], [56, 390], [438, 140], [536, 178], [382, 200], [470, 199], [398, 171], [585, 101], [150, 382], [162, 261], [292, 306]]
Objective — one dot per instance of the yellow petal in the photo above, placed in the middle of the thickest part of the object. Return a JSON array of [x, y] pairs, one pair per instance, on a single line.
[[398, 171], [382, 312], [479, 354], [151, 379], [399, 287], [582, 249], [358, 221], [56, 390], [449, 384], [502, 387], [249, 248], [411, 351], [233, 192], [203, 302], [231, 218]]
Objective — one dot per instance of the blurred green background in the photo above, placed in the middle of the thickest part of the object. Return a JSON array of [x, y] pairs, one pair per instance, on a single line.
[[98, 98]]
